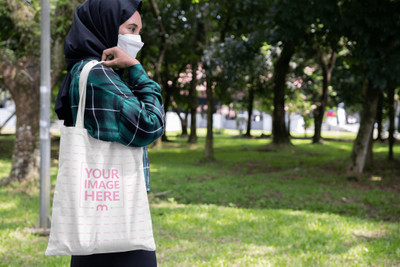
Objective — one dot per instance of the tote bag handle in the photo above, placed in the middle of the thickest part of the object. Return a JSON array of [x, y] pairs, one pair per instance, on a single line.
[[80, 115]]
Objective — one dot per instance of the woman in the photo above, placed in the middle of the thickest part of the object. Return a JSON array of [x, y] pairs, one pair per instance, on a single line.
[[129, 112]]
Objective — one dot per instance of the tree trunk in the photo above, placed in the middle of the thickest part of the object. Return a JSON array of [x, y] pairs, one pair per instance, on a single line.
[[327, 67], [318, 119], [161, 55], [6, 121], [193, 104], [21, 77], [22, 80], [164, 45], [360, 147], [379, 117], [391, 93], [280, 134], [369, 160], [199, 42], [184, 123], [209, 150], [398, 122], [182, 120], [166, 105], [250, 111]]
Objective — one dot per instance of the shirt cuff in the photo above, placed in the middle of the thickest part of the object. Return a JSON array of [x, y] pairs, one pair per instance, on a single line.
[[137, 75]]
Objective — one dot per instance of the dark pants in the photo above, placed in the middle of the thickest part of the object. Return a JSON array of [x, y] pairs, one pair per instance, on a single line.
[[134, 258]]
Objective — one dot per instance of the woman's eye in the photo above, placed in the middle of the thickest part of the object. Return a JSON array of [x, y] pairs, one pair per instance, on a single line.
[[133, 29]]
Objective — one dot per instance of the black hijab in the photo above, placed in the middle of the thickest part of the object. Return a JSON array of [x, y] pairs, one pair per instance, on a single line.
[[95, 28]]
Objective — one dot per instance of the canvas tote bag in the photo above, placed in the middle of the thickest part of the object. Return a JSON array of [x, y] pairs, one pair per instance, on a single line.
[[100, 201]]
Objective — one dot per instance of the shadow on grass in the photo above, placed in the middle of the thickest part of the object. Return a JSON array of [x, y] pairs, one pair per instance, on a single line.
[[6, 146], [17, 207], [283, 234], [268, 208], [302, 177]]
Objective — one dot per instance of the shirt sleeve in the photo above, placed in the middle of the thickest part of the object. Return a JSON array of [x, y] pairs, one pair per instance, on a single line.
[[129, 113]]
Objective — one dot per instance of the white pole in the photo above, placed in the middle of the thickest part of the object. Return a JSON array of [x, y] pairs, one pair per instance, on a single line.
[[44, 208]]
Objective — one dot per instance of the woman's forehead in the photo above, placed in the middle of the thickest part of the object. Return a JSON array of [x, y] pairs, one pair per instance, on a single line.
[[134, 19]]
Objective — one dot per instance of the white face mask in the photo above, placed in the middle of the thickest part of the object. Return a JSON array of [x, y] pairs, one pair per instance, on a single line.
[[130, 43]]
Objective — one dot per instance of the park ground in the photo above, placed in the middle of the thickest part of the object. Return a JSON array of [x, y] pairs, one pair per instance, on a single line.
[[253, 206]]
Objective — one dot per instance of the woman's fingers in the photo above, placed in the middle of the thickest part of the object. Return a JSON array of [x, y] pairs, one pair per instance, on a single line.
[[108, 54], [115, 57], [109, 63]]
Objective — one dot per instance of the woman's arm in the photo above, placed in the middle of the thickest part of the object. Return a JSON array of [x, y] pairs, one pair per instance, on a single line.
[[133, 116]]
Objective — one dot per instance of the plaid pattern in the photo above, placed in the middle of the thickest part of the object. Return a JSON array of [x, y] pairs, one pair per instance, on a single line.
[[128, 113]]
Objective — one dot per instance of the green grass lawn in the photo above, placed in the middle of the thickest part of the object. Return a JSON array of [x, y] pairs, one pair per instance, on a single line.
[[252, 207]]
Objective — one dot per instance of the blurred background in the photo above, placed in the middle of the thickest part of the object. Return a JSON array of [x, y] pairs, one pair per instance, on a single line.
[[253, 90]]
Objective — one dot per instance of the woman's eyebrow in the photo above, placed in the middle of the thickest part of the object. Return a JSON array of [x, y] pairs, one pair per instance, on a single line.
[[133, 24]]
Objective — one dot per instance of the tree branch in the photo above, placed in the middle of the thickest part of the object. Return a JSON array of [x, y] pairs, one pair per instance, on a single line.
[[7, 120], [164, 43]]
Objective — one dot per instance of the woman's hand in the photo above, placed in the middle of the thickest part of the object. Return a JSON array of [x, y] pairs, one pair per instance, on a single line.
[[117, 58]]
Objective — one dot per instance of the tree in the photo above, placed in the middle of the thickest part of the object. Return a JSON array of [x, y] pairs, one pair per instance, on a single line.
[[379, 116], [256, 81], [378, 59], [361, 145], [280, 134], [277, 29], [193, 102], [20, 71], [178, 26], [323, 44], [391, 98], [302, 85], [160, 60], [326, 63]]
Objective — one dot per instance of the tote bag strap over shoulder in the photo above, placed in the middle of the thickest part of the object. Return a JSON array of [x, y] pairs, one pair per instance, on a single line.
[[82, 92], [100, 201]]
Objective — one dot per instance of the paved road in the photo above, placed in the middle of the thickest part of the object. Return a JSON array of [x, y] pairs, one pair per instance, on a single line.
[[5, 113]]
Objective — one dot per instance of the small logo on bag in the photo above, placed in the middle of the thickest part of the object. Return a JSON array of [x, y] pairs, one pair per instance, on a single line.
[[102, 207], [101, 186]]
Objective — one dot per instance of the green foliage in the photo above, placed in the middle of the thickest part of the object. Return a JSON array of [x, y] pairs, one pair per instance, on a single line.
[[371, 30], [8, 36], [233, 54], [21, 32], [7, 145], [62, 16], [348, 82], [20, 23], [182, 41]]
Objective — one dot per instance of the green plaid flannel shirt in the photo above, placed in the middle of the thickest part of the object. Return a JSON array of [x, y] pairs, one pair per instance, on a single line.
[[130, 113]]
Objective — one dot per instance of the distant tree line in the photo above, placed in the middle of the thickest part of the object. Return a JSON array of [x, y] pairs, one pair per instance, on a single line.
[[293, 56]]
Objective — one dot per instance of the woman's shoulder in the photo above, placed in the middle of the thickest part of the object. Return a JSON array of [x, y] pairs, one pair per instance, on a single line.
[[100, 76], [98, 72], [77, 68]]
